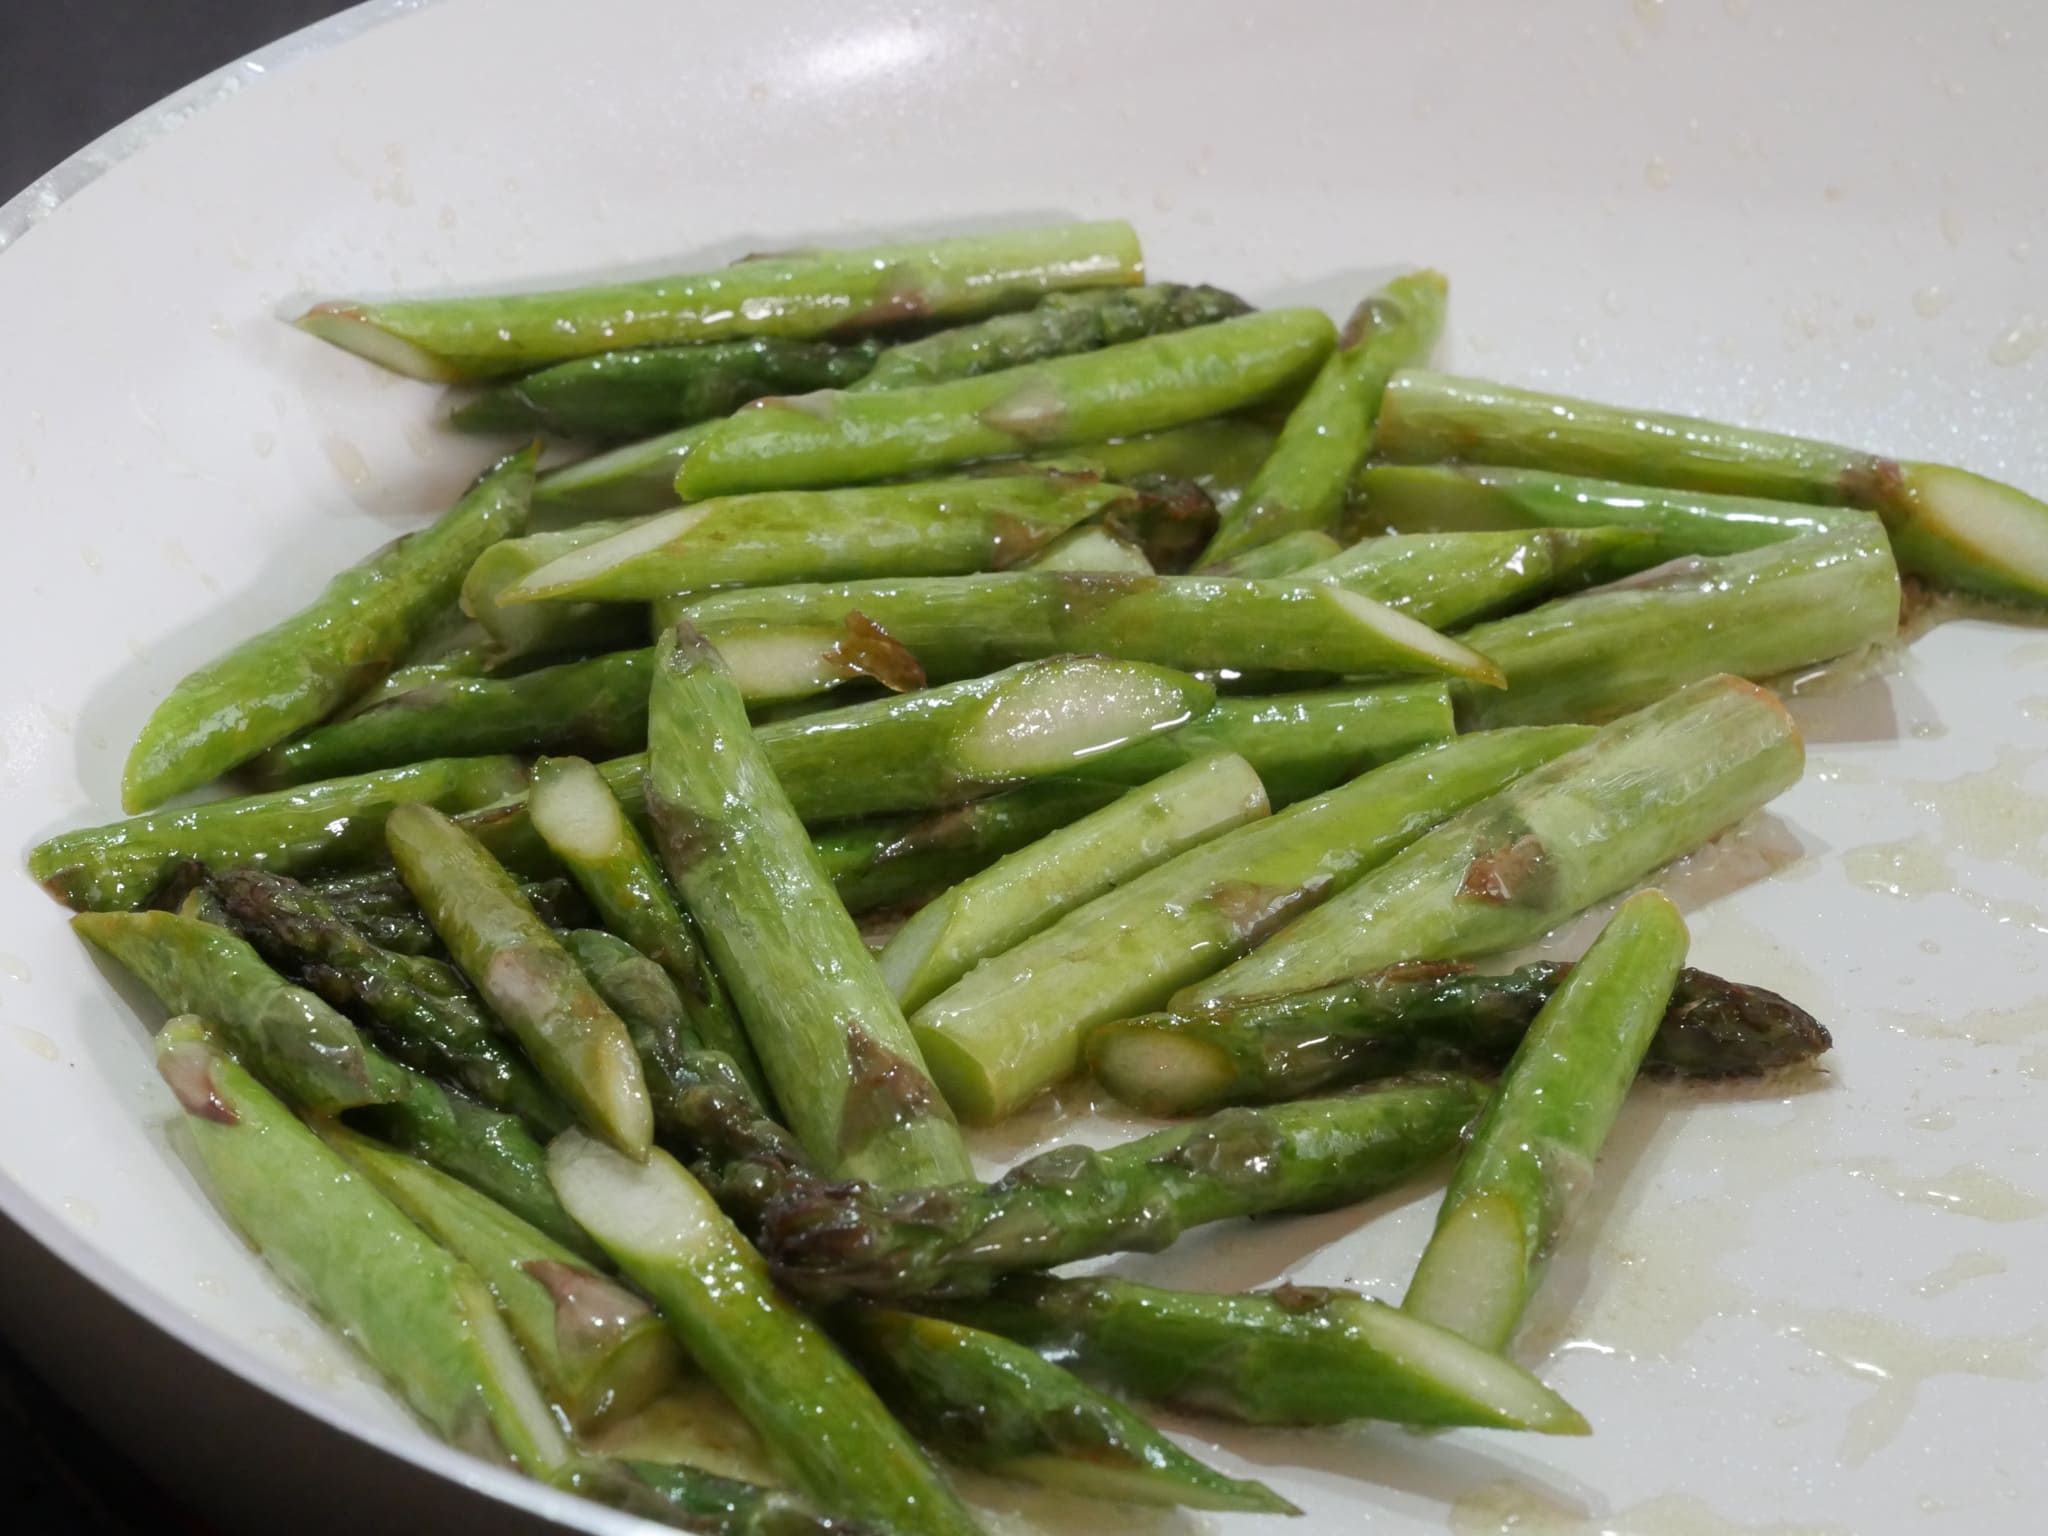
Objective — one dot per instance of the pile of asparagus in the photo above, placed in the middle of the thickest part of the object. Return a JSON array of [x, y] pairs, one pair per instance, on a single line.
[[1173, 692]]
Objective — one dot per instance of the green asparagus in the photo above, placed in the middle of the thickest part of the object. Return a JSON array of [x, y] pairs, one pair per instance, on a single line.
[[1032, 888], [1074, 1203], [1448, 579], [328, 653], [779, 1368], [643, 390], [1649, 788], [631, 480], [1303, 549], [422, 1318], [811, 294], [530, 982], [712, 1505], [1091, 548], [1293, 1355], [1531, 1158], [1953, 528], [836, 1050], [1014, 1025], [554, 630], [965, 626], [598, 1349], [1030, 1420], [455, 646], [1302, 486], [1420, 1014], [1218, 457], [839, 438], [1757, 614]]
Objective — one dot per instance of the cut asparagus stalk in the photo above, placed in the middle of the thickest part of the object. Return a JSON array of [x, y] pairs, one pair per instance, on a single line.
[[775, 665], [904, 861], [641, 391], [328, 653], [810, 294], [1032, 888], [1303, 549], [1327, 436], [833, 1042], [1218, 457], [584, 825], [422, 1012], [934, 528], [1647, 789], [1756, 615], [597, 1348], [1953, 528], [1014, 1025], [632, 480], [779, 1368], [965, 626], [840, 438], [1420, 1014], [420, 1316], [1294, 1355], [1531, 1158], [454, 646], [531, 983], [289, 1036], [1092, 549], [1448, 579], [1075, 1203], [707, 1503], [1463, 498], [552, 629], [1034, 1422], [1059, 325]]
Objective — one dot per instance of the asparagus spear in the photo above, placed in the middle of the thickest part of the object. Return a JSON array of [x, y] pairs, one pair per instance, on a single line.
[[420, 1008], [328, 653], [1756, 614], [1303, 549], [838, 438], [288, 1035], [1074, 1203], [904, 861], [1218, 456], [1448, 579], [1014, 1025], [1462, 498], [934, 528], [292, 832], [597, 1348], [776, 665], [585, 827], [781, 1371], [704, 1502], [1091, 548], [1032, 888], [631, 480], [422, 1318], [964, 626], [1420, 1014], [1033, 1421], [809, 294], [521, 630], [1057, 326], [1953, 528], [833, 1042], [1293, 1355], [643, 390], [1328, 434], [1531, 1158], [360, 898], [1650, 787], [454, 646], [531, 983]]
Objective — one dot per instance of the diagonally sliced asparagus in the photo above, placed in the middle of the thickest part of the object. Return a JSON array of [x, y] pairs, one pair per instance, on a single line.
[[1953, 528], [807, 294], [1448, 579], [1301, 550], [336, 648], [423, 1318], [1091, 548], [598, 1349], [1647, 789], [1418, 1014], [835, 1047], [1028, 891], [1014, 1025], [558, 630], [1531, 1157], [781, 1371], [531, 983], [1293, 1355]]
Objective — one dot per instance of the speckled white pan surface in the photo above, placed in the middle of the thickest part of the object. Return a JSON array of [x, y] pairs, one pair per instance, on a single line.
[[1814, 1312]]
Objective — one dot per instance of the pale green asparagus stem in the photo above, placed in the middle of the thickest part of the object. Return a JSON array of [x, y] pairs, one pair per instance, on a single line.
[[1091, 548], [1446, 580], [1303, 549]]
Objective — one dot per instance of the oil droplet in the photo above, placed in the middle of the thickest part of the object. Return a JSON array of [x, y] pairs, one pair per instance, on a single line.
[[1910, 867], [313, 1360], [81, 1212], [1961, 1270], [14, 967], [1967, 1190], [1865, 319], [91, 557], [2022, 251], [346, 457], [264, 444], [1943, 1119], [2018, 342], [1931, 301], [2035, 1064], [1514, 1509], [1952, 225], [35, 1042], [1992, 815], [212, 1285], [1657, 172]]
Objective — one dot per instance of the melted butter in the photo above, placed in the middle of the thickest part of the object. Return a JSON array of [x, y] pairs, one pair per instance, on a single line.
[[1917, 866], [1961, 1270], [1967, 1190], [35, 1042], [1513, 1509], [1992, 815], [1984, 1026]]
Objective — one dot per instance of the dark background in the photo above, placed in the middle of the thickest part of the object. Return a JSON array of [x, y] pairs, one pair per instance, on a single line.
[[72, 69]]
